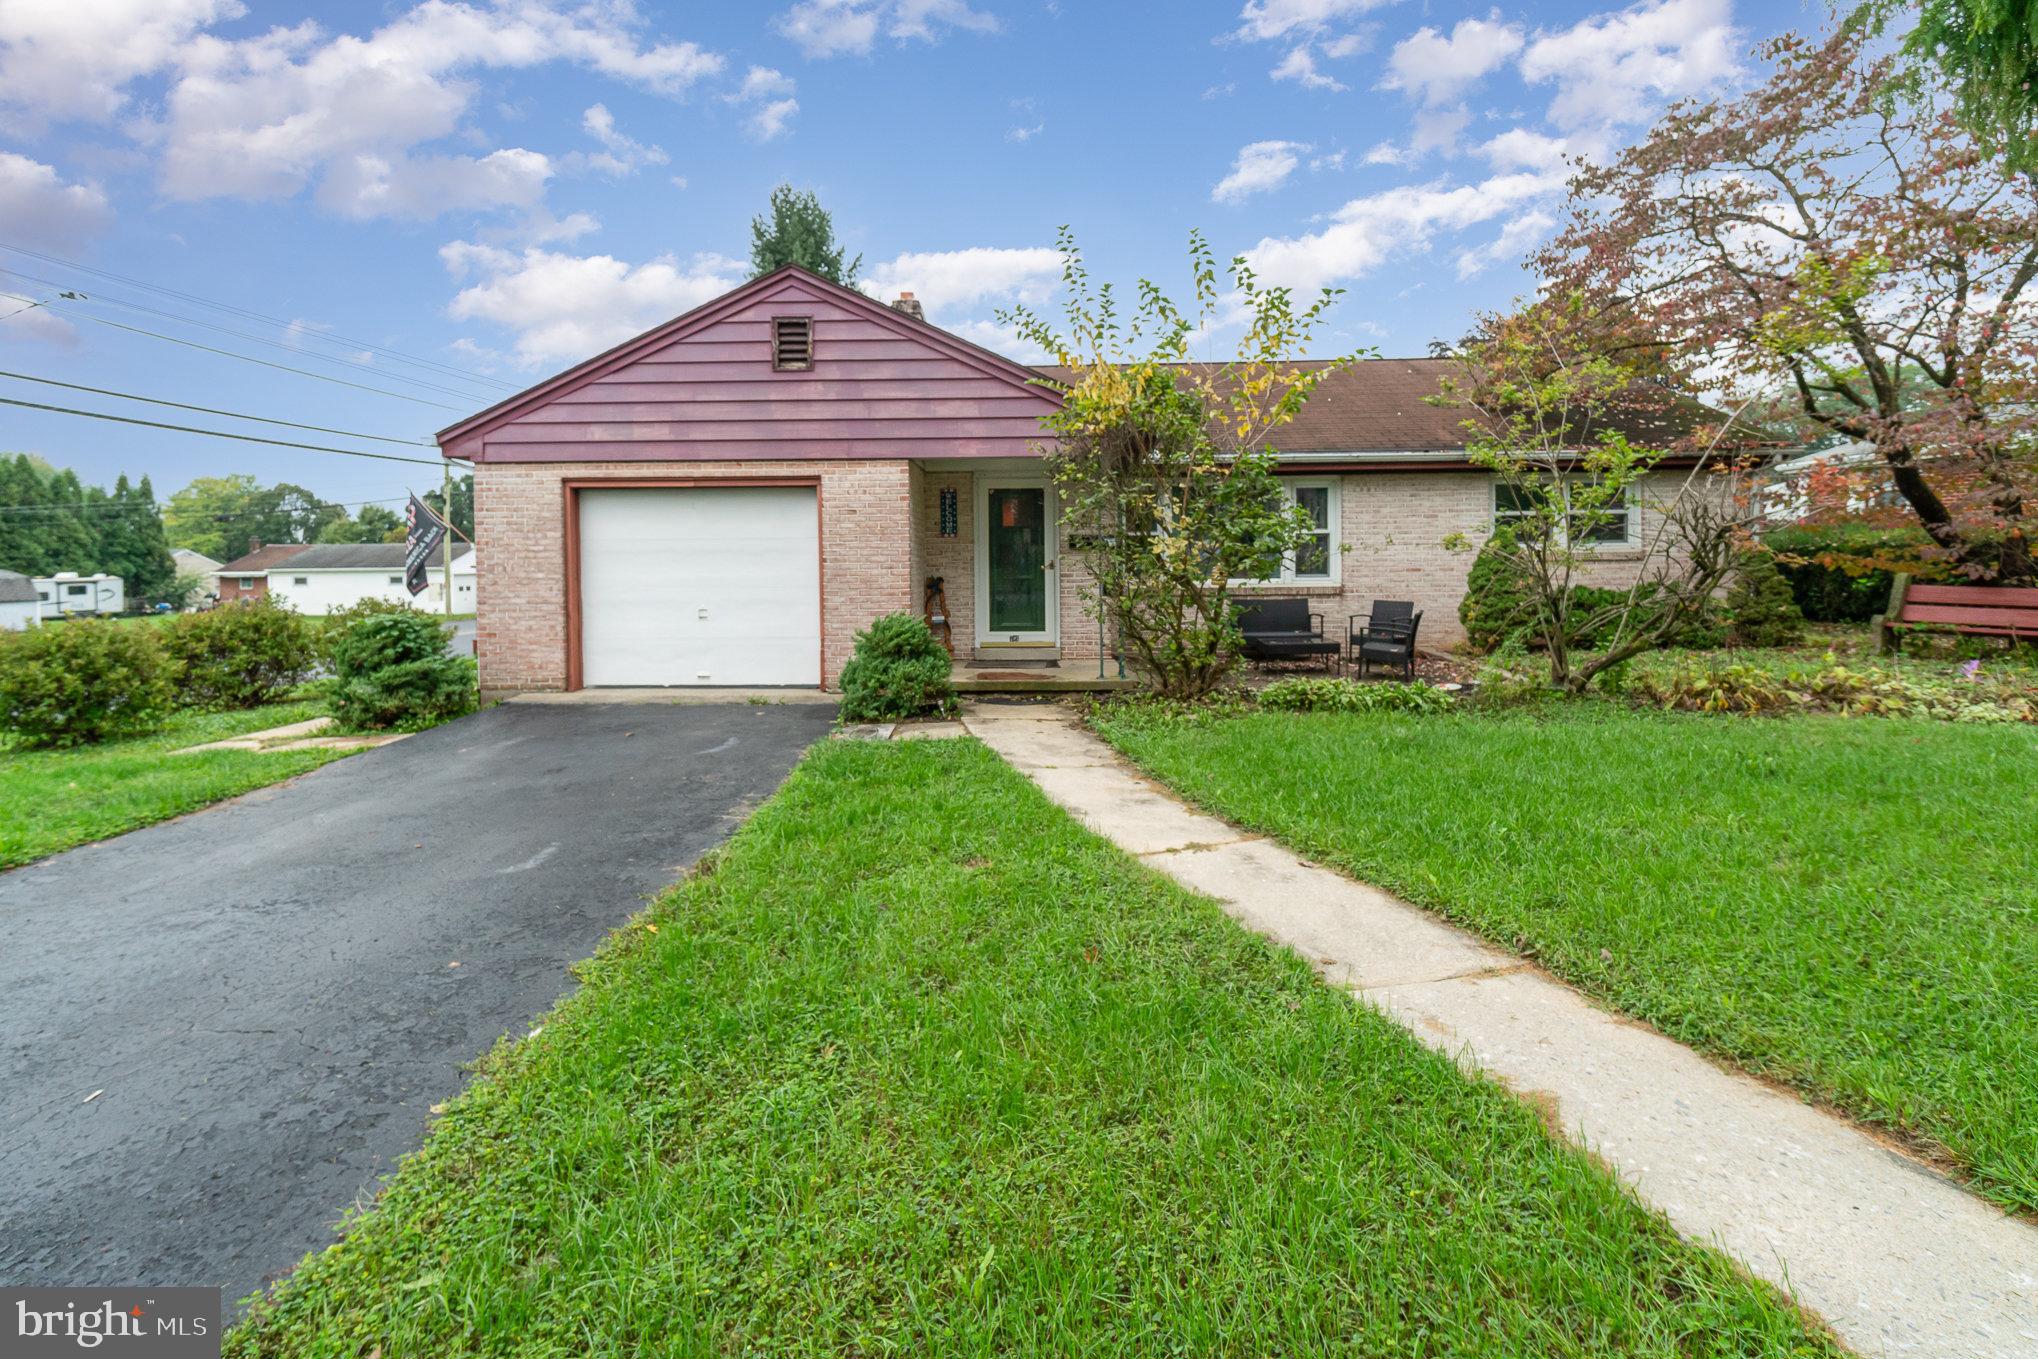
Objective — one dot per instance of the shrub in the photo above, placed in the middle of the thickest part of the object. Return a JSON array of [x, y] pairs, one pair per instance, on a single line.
[[335, 624], [1305, 695], [67, 684], [392, 670], [1499, 605], [239, 655], [1841, 573], [898, 670], [1738, 687], [1760, 605], [1498, 602]]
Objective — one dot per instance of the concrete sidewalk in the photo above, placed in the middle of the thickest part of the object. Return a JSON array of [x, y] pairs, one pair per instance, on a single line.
[[1897, 1259]]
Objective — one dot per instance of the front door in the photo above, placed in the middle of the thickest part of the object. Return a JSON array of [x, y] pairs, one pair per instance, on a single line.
[[1018, 602]]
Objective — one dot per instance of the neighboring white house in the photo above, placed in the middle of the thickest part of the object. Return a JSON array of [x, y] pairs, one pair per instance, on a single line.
[[330, 576], [19, 605], [67, 593], [201, 568]]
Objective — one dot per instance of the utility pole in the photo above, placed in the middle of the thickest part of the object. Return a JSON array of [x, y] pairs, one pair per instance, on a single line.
[[446, 543]]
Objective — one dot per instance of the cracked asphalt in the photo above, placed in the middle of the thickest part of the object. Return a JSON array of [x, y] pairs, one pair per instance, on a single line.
[[217, 1033]]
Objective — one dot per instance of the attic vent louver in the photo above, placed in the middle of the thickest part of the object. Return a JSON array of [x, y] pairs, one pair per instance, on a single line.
[[792, 343]]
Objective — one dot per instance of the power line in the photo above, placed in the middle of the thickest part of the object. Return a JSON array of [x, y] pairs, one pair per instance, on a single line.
[[249, 358], [219, 433], [54, 507], [212, 410], [390, 375], [229, 308]]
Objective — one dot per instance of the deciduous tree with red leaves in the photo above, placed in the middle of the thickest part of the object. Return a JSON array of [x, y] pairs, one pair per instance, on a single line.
[[1838, 236]]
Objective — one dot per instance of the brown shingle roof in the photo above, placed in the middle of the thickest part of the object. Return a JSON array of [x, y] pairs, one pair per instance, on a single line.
[[1381, 406], [262, 559]]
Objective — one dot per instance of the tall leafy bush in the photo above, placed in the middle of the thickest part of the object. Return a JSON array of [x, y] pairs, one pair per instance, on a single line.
[[239, 655], [74, 683]]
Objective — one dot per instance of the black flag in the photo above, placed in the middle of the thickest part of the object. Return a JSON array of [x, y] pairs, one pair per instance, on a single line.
[[427, 531]]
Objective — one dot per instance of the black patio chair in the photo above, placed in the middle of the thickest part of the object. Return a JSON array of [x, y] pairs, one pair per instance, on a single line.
[[1386, 636], [1285, 630]]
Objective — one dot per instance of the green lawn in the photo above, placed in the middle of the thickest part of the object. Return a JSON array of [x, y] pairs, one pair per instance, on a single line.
[[59, 798], [1848, 906], [921, 1067]]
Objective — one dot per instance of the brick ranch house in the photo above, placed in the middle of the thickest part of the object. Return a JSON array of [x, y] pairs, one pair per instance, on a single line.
[[727, 499]]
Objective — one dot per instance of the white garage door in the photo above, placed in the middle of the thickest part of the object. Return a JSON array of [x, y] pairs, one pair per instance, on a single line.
[[715, 586]]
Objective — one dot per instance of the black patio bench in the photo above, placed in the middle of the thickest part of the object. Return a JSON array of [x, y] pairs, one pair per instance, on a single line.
[[1285, 630]]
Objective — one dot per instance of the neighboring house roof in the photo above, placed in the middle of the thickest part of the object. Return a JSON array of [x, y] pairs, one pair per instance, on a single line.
[[196, 561], [16, 588], [361, 557], [262, 558]]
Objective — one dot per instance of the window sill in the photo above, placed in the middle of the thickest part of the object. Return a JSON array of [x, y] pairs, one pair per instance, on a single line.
[[1287, 587]]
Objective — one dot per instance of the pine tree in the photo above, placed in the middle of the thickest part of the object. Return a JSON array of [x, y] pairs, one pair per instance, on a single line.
[[800, 232], [1761, 606]]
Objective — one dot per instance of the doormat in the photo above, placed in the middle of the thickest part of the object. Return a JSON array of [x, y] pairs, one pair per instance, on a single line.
[[1008, 675]]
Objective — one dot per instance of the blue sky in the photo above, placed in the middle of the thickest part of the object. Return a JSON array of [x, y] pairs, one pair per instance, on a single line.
[[502, 189]]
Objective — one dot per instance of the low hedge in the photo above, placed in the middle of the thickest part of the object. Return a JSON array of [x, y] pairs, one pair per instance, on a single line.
[[1841, 573], [81, 681], [240, 655]]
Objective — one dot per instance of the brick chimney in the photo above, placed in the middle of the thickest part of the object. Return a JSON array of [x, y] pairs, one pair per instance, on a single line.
[[910, 305]]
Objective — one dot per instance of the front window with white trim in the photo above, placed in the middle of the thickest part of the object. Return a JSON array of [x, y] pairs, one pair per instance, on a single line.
[[1613, 526], [1315, 560]]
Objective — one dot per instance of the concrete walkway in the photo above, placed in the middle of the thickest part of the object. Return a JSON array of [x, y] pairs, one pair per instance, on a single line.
[[1897, 1259]]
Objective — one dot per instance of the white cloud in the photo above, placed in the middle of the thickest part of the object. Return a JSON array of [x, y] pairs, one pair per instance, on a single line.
[[1261, 167], [1521, 149], [1300, 66], [1025, 133], [1368, 231], [950, 280], [1510, 245], [33, 324], [38, 208], [763, 82], [920, 18], [562, 308], [263, 117], [773, 120], [1436, 68], [1000, 339], [1602, 66], [835, 28], [369, 185], [74, 58], [771, 90], [1438, 129], [1274, 20], [1389, 153], [620, 154], [1220, 91]]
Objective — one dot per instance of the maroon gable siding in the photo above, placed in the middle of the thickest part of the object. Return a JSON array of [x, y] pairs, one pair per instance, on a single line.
[[702, 387]]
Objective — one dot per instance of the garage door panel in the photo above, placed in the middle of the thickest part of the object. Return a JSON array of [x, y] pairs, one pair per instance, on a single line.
[[700, 586]]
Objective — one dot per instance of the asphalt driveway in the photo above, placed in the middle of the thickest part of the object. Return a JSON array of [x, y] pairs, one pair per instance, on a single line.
[[217, 1033]]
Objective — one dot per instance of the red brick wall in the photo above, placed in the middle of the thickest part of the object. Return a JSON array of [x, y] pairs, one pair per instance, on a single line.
[[230, 590], [519, 531]]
